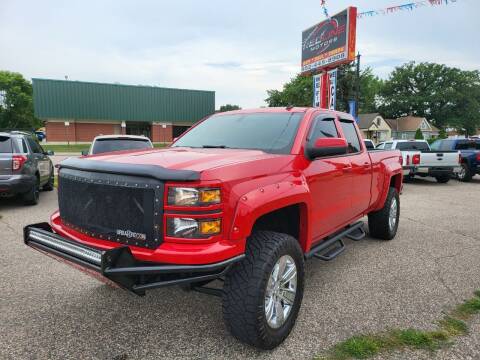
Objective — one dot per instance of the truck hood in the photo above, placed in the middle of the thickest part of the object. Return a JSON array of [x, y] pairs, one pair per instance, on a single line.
[[193, 159]]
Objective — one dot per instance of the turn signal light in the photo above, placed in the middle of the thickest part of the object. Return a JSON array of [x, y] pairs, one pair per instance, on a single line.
[[210, 227], [210, 196]]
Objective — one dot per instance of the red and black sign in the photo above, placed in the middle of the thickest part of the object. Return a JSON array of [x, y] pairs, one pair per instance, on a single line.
[[330, 43]]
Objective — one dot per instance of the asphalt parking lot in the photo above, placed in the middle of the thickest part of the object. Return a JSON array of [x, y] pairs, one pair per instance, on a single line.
[[51, 311]]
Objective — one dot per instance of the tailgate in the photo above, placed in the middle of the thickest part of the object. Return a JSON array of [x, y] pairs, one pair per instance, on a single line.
[[439, 158], [5, 156]]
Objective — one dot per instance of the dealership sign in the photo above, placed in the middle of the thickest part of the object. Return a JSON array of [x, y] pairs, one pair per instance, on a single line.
[[330, 43]]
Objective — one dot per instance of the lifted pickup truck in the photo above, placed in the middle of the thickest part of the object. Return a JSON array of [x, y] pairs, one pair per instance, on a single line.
[[419, 160], [244, 197]]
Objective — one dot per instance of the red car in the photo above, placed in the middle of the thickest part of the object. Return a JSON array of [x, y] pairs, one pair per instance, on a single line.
[[244, 197]]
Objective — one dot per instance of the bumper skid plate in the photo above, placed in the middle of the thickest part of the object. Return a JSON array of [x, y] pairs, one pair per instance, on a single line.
[[118, 265]]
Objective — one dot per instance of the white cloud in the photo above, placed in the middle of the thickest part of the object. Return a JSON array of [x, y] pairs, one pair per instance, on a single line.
[[238, 49]]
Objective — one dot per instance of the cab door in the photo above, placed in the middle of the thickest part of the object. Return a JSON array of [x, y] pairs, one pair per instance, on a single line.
[[361, 168], [329, 180]]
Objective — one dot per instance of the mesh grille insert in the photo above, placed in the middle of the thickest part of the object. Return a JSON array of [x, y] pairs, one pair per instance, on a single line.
[[124, 209]]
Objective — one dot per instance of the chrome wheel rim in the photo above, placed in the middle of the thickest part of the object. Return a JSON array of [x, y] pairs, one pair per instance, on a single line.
[[281, 291], [461, 173], [392, 218]]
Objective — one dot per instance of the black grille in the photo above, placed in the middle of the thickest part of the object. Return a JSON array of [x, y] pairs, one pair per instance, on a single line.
[[125, 209]]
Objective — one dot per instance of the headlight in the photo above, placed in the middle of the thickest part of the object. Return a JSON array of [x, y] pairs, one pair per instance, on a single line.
[[184, 196], [192, 228]]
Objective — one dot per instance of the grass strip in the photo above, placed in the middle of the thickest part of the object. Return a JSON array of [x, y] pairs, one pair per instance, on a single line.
[[452, 325]]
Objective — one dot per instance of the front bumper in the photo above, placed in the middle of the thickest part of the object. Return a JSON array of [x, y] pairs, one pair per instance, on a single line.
[[118, 265]]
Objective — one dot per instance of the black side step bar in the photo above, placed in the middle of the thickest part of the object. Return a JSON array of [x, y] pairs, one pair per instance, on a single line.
[[333, 245]]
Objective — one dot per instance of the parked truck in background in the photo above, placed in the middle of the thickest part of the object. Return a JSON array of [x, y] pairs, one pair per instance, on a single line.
[[244, 196], [419, 160], [469, 155]]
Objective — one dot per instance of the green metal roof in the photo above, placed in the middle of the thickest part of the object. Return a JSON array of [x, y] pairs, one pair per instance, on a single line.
[[78, 100]]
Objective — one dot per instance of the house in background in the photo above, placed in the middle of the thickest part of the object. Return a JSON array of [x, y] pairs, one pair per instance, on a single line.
[[404, 128], [374, 127]]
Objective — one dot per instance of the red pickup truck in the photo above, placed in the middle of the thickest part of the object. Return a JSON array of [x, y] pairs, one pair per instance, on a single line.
[[243, 197]]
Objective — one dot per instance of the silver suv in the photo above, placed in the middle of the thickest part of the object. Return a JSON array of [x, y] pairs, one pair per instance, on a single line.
[[25, 167]]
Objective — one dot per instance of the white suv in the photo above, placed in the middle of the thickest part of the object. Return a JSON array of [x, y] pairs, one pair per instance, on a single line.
[[108, 143]]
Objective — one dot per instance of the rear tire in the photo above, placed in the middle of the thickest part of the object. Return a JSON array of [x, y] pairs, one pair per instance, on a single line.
[[383, 224], [31, 197], [443, 179], [256, 295], [465, 174]]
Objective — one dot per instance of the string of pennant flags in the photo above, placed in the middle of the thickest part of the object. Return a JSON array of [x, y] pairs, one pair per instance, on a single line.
[[393, 9], [405, 7]]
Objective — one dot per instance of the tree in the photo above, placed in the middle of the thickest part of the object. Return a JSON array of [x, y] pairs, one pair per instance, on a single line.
[[444, 95], [418, 134], [16, 103], [229, 107], [299, 90]]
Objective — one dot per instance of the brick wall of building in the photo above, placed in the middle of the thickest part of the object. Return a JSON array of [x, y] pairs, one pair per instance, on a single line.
[[78, 132], [160, 134]]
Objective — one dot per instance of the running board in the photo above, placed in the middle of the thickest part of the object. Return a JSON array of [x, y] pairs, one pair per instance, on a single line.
[[332, 246]]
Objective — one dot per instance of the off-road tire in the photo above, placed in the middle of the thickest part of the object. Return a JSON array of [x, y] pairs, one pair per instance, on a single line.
[[443, 179], [378, 221], [468, 174], [31, 196], [245, 288], [50, 185]]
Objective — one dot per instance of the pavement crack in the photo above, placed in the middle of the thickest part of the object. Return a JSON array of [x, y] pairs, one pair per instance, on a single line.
[[10, 227], [441, 229]]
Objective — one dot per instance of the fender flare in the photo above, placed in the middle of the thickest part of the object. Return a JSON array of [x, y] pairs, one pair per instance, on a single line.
[[258, 202], [388, 178]]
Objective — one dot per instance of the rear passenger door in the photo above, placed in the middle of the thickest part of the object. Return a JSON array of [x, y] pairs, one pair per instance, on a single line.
[[329, 180], [361, 169], [41, 159]]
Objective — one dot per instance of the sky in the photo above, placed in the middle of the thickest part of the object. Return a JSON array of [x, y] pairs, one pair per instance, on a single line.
[[239, 49]]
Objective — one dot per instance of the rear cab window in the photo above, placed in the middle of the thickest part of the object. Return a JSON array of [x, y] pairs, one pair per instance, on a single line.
[[351, 136], [413, 146]]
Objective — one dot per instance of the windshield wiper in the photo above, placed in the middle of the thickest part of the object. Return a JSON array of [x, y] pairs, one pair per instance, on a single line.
[[214, 146]]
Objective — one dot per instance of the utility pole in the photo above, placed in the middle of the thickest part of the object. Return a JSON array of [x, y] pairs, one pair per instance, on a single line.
[[357, 90]]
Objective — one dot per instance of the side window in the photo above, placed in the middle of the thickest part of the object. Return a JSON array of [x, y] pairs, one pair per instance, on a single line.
[[22, 146], [34, 146], [351, 136], [388, 146], [381, 146], [323, 127]]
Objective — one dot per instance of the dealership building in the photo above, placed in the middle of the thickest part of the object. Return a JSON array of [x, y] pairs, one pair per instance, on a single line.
[[77, 111]]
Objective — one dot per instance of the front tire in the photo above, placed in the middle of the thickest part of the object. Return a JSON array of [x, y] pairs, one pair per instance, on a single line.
[[50, 185], [263, 293], [31, 197], [383, 224]]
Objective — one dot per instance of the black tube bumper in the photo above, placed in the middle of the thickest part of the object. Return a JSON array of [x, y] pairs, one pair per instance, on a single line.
[[118, 265]]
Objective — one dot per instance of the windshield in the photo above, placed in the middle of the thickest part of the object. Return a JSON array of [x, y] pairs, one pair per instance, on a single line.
[[107, 145], [269, 132], [413, 145]]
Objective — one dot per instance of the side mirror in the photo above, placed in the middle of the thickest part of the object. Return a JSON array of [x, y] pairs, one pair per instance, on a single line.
[[84, 152], [49, 152], [327, 147]]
